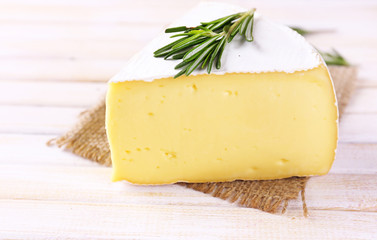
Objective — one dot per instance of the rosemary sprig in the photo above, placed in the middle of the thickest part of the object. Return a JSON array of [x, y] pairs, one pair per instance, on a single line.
[[203, 45], [304, 32], [331, 58], [301, 31], [334, 58]]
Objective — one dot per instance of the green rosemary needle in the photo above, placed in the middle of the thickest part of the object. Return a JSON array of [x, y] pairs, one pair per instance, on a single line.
[[331, 58], [203, 45], [304, 32], [334, 58]]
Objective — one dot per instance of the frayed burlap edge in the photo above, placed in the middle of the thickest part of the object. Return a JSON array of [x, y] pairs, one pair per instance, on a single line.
[[88, 139]]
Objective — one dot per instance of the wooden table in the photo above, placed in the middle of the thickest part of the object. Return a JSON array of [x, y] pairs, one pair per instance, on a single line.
[[55, 59]]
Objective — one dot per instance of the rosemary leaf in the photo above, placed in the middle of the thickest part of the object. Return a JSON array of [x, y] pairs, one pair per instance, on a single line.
[[222, 23], [181, 35], [180, 73], [244, 24], [187, 40], [215, 53], [221, 19], [167, 47], [330, 58], [334, 58], [178, 55], [305, 32], [176, 29], [218, 61], [300, 31], [174, 52], [190, 33], [235, 31], [190, 44], [193, 53], [210, 25], [199, 60], [207, 58], [249, 30], [181, 65]]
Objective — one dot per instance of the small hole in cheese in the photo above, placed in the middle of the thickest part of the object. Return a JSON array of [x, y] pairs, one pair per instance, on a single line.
[[171, 155], [283, 160]]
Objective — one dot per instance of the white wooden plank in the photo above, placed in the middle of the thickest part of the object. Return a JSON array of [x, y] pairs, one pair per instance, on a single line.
[[63, 94], [346, 192], [42, 120], [67, 69], [88, 12], [51, 219], [92, 185], [174, 3], [367, 76], [71, 49], [79, 32], [363, 100], [45, 10], [31, 150], [355, 192], [100, 3], [358, 128], [355, 158]]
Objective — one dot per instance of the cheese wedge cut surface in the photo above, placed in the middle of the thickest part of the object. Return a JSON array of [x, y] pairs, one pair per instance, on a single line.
[[249, 120]]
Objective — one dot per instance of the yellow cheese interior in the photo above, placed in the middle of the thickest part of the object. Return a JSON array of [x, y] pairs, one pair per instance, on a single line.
[[209, 128]]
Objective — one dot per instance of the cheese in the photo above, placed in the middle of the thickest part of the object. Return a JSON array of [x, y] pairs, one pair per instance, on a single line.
[[270, 112]]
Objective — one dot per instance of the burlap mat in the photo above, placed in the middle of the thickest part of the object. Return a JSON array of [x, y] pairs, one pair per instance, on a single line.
[[88, 139]]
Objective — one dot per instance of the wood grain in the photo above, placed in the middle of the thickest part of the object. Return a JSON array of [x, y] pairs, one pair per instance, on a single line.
[[139, 221], [52, 94], [91, 184]]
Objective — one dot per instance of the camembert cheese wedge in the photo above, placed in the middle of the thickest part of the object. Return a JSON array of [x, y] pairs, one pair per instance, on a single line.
[[270, 112]]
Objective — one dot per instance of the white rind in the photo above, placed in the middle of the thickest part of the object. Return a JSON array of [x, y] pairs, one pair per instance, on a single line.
[[275, 48]]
